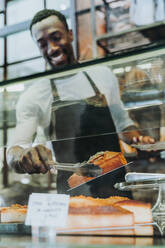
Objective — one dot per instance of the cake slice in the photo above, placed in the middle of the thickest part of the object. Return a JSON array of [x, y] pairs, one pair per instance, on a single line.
[[141, 210], [99, 216], [14, 214], [89, 212]]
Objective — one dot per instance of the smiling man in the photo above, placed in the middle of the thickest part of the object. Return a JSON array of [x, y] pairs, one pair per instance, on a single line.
[[54, 39], [80, 114]]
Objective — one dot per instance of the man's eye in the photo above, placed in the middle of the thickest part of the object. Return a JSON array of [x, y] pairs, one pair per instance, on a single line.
[[56, 37], [43, 44]]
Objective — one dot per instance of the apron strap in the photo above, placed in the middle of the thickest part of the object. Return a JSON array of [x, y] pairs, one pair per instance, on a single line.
[[155, 7], [96, 90], [54, 91]]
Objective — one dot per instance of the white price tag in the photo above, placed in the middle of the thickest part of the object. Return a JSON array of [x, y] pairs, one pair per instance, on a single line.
[[47, 210]]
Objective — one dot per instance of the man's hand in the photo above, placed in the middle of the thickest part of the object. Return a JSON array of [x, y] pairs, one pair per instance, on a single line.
[[143, 140], [133, 135], [30, 160]]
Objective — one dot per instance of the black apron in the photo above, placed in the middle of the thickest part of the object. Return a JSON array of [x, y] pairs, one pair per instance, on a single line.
[[82, 129]]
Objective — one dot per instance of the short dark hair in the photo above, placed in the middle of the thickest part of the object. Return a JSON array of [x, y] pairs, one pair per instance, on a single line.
[[42, 14]]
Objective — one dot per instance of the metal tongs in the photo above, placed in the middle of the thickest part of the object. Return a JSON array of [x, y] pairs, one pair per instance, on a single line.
[[83, 169], [157, 146], [139, 177]]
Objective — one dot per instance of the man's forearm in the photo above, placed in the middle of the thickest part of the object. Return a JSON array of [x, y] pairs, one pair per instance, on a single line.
[[13, 157]]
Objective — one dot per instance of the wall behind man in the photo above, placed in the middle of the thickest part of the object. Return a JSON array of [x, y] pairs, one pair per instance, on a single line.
[[85, 31]]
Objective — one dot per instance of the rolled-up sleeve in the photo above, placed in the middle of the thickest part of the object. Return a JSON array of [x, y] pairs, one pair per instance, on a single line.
[[27, 121], [119, 114], [32, 111], [24, 133], [120, 117]]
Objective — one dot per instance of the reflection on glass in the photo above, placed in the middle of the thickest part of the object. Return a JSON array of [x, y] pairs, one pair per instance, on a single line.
[[8, 100], [22, 10], [142, 92], [21, 46], [1, 137], [1, 52], [154, 69], [26, 68], [140, 95]]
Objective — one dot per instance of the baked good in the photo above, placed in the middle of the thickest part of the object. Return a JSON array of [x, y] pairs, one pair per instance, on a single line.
[[146, 230], [141, 210], [74, 180], [86, 201], [107, 160], [99, 216], [14, 214], [89, 212]]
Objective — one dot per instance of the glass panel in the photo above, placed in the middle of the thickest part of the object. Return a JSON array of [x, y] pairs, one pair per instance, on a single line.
[[16, 13], [1, 51], [1, 20], [129, 28], [21, 46], [1, 74], [2, 5], [26, 68], [137, 92], [72, 114], [142, 91], [58, 5]]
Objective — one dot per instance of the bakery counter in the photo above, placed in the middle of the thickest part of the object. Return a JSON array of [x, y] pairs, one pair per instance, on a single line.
[[17, 241], [105, 238]]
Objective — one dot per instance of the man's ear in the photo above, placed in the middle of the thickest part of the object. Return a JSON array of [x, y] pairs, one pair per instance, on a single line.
[[70, 35]]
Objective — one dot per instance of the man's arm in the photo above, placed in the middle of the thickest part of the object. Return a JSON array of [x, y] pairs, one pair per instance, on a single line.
[[20, 154], [126, 128]]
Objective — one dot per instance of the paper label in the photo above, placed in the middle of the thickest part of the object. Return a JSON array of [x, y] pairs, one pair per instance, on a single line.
[[47, 210]]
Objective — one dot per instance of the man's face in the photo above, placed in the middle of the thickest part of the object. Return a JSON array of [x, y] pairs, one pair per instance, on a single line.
[[54, 41]]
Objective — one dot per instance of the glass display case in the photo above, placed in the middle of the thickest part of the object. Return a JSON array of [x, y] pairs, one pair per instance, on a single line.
[[85, 114]]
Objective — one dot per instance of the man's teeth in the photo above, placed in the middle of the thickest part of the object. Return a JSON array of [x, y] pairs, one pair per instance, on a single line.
[[58, 58]]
